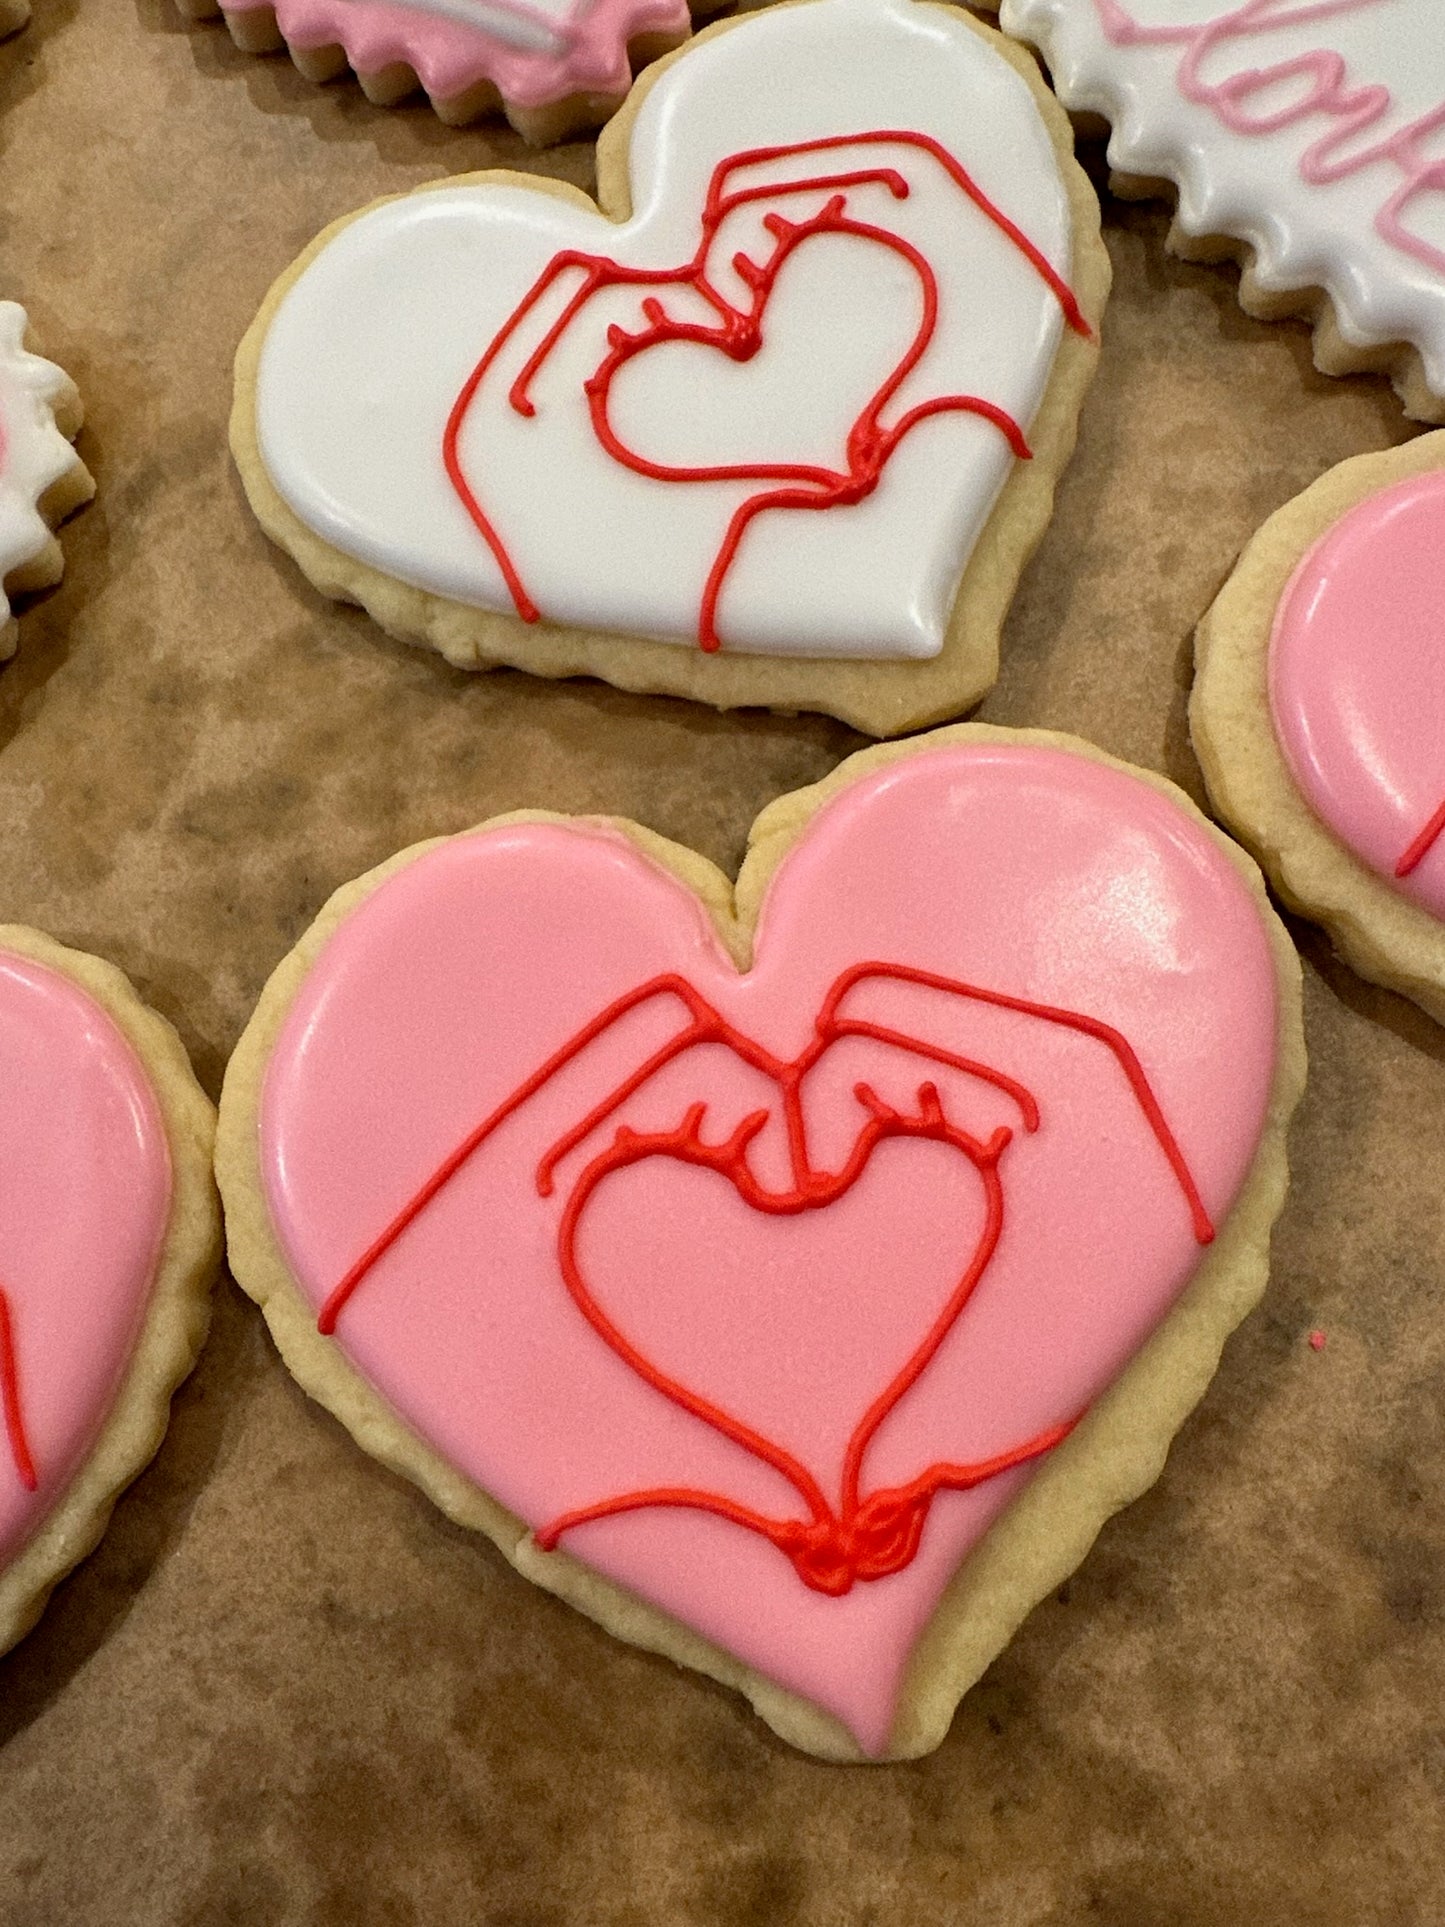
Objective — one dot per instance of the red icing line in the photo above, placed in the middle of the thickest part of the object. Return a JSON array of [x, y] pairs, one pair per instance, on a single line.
[[738, 334], [1423, 844], [10, 1399], [869, 1535]]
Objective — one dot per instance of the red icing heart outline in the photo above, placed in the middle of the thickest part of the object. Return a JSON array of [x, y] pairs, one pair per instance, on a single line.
[[872, 1535], [738, 334]]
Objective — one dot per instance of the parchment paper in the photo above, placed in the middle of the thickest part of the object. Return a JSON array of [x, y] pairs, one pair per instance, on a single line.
[[284, 1690]]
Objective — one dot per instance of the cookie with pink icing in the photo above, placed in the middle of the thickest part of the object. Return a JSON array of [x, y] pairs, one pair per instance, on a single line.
[[109, 1240], [42, 479], [554, 67], [741, 1258], [778, 424], [1319, 710], [1302, 136]]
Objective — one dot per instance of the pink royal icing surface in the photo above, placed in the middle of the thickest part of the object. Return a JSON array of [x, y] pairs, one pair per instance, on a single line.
[[84, 1204], [533, 54], [1029, 873], [1357, 682]]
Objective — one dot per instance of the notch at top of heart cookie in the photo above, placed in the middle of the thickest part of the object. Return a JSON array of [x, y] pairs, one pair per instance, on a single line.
[[779, 424]]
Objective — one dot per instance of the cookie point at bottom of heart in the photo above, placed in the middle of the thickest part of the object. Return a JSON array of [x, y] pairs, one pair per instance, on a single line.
[[846, 1657], [784, 1355]]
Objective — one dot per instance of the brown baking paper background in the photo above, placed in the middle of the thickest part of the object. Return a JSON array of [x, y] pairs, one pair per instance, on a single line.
[[285, 1689]]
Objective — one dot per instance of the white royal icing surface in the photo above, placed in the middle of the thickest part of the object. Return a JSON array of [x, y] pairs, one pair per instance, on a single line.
[[1343, 189], [372, 344], [33, 452]]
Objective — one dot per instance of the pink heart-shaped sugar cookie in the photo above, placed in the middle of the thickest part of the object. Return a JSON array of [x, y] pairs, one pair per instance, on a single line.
[[1318, 710], [108, 1237], [761, 1290], [534, 53], [1357, 683]]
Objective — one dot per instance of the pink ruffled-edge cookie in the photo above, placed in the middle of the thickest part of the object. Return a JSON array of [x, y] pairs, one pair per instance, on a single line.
[[552, 66], [109, 1241], [42, 479], [1319, 710], [792, 1275]]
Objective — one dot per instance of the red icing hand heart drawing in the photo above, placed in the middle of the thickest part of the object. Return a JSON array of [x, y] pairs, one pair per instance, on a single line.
[[821, 175], [770, 411], [760, 1291]]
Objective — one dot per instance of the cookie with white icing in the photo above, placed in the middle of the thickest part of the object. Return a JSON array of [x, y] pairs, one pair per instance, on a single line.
[[1302, 138], [554, 67], [740, 1259], [42, 479], [780, 425], [109, 1242], [1318, 711]]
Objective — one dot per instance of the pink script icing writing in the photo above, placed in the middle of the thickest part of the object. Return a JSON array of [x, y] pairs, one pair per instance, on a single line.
[[1353, 107]]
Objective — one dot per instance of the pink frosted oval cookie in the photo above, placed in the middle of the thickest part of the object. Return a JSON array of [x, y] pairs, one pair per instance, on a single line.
[[779, 423], [109, 1239], [553, 66], [743, 1262], [1319, 710], [42, 479], [1303, 135]]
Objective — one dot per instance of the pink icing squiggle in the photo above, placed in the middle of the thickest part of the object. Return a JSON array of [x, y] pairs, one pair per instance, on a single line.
[[1355, 108], [588, 53]]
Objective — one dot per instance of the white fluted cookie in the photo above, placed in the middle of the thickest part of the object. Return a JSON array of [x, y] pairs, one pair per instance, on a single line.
[[1302, 138], [42, 479]]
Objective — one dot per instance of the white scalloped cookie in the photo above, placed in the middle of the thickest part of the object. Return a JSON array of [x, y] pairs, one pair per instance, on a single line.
[[778, 424], [741, 1260], [554, 67], [1303, 140], [109, 1243], [42, 479], [1318, 710]]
